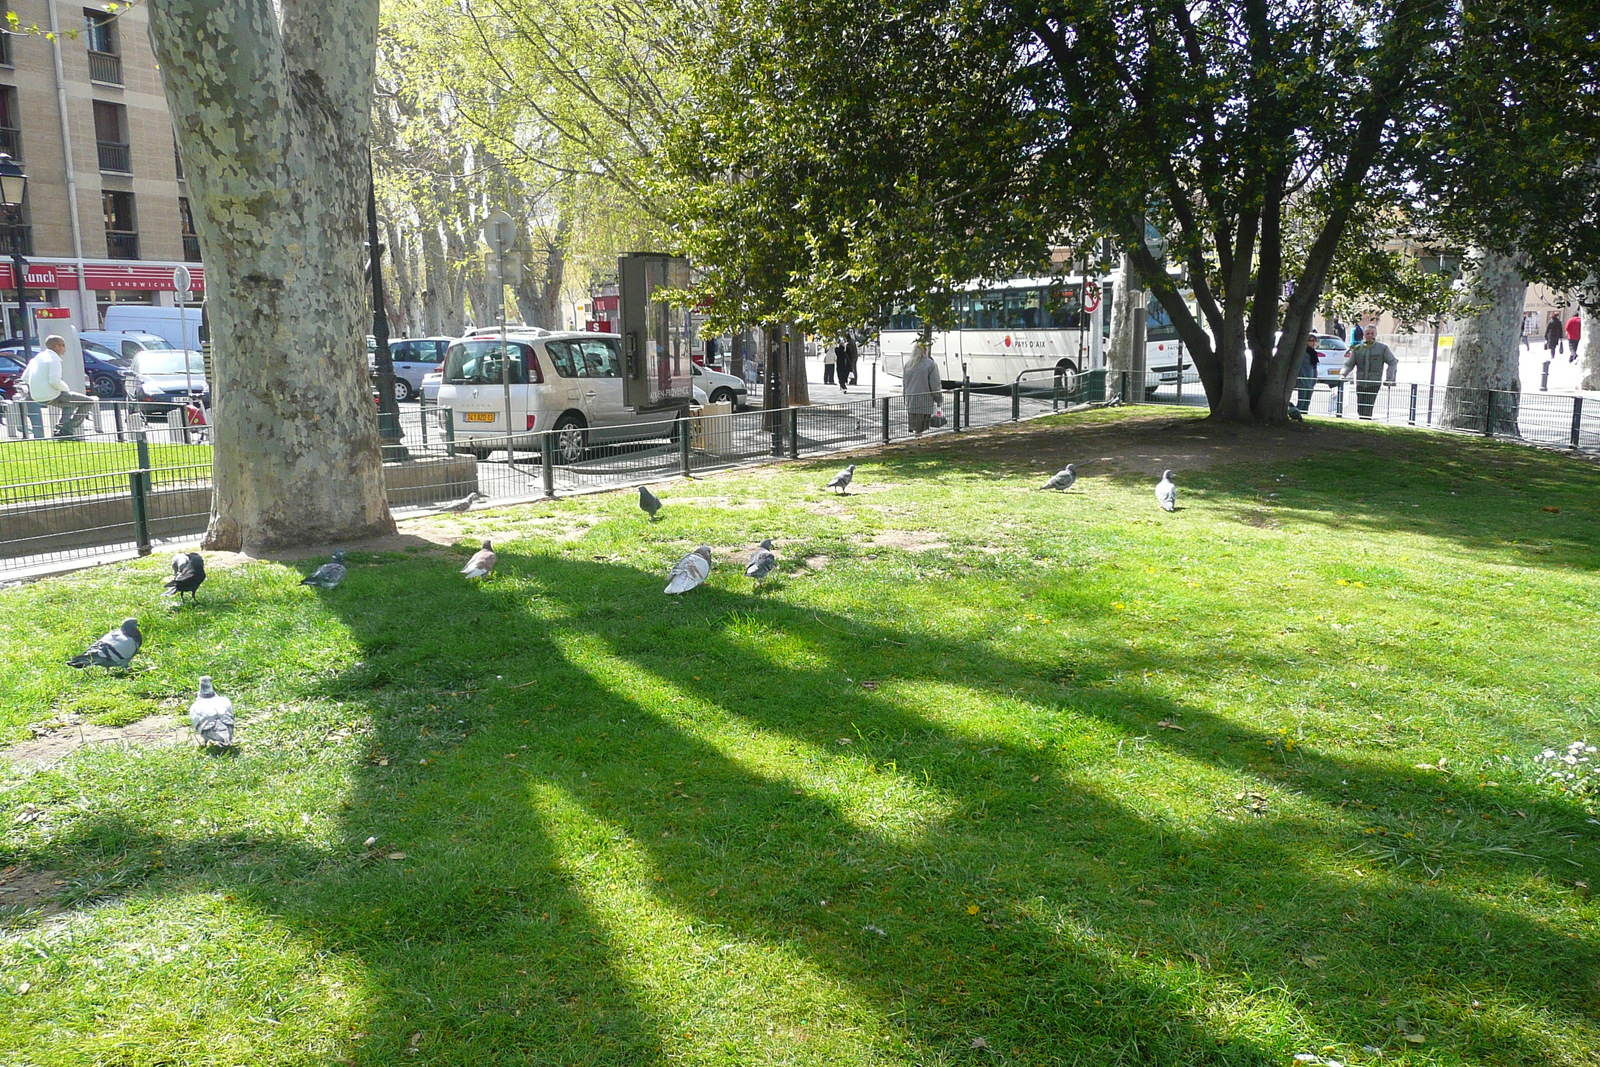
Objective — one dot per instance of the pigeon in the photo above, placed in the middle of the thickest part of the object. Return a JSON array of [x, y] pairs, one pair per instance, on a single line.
[[1167, 492], [1062, 479], [690, 571], [465, 503], [649, 503], [329, 575], [211, 715], [481, 563], [188, 571], [842, 480], [762, 562], [115, 649]]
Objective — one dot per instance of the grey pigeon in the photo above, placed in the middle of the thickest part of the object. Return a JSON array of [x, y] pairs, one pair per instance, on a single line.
[[690, 571], [649, 503], [481, 563], [188, 571], [211, 715], [762, 561], [1167, 492], [465, 503], [329, 575], [841, 481], [115, 649], [1063, 479]]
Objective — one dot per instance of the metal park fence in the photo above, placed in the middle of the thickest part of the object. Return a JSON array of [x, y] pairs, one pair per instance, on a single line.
[[135, 480]]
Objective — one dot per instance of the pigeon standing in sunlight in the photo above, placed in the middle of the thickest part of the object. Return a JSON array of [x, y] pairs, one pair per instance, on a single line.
[[690, 571], [211, 715], [329, 575], [481, 563], [188, 571], [763, 561], [649, 503], [1063, 478], [465, 503], [115, 649], [841, 481], [1167, 492]]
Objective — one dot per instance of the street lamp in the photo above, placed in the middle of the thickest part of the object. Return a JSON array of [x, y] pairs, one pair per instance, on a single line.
[[13, 187]]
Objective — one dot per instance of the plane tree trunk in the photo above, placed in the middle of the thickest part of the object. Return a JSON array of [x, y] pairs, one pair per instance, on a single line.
[[1486, 362], [271, 107]]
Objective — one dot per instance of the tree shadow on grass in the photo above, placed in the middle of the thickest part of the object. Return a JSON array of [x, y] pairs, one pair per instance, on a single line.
[[615, 849]]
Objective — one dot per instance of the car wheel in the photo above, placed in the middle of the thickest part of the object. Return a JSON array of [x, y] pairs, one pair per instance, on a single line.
[[103, 386], [402, 390], [571, 441], [722, 396], [1066, 376]]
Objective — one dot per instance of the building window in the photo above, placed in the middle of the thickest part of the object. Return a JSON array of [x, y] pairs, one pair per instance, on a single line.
[[191, 239], [177, 160], [105, 62], [10, 124], [122, 231], [5, 38], [111, 137]]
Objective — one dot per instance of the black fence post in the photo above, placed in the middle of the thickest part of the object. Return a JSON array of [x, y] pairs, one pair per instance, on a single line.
[[1488, 413], [794, 433], [1016, 401], [966, 401], [139, 486], [1577, 418], [1338, 399], [885, 420], [422, 418], [874, 379], [447, 418], [547, 463], [955, 409], [1412, 419], [684, 434]]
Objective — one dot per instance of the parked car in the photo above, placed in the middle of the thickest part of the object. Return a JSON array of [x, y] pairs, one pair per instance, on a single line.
[[413, 358], [720, 387], [104, 371], [431, 382], [10, 374], [568, 383], [161, 380]]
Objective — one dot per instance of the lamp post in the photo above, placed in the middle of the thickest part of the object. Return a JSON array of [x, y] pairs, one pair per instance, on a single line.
[[13, 187]]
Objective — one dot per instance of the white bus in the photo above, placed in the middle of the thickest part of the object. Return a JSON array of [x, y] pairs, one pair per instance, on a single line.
[[1026, 324]]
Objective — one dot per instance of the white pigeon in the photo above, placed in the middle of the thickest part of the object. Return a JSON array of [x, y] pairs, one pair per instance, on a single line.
[[649, 503], [481, 563], [329, 575], [690, 571], [465, 503], [1167, 492], [841, 481], [211, 715], [1063, 478], [762, 561], [115, 649]]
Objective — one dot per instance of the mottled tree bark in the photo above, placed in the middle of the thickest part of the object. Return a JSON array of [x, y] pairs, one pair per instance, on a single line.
[[1589, 346], [271, 105], [1121, 354], [1486, 359]]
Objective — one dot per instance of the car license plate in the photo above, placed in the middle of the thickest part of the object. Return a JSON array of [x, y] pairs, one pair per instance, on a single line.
[[477, 416]]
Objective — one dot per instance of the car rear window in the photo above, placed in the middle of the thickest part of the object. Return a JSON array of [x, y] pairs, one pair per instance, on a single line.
[[479, 362]]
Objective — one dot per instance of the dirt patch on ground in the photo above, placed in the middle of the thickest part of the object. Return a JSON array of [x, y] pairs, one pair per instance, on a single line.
[[1261, 520], [32, 890], [822, 507], [65, 736], [908, 540]]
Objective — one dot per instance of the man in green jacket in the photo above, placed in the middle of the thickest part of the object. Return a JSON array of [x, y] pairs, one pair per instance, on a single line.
[[1368, 358]]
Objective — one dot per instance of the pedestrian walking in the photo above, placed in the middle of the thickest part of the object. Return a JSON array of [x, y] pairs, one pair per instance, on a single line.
[[1356, 334], [1308, 373], [1574, 335], [1552, 336], [847, 364], [830, 358], [920, 388], [41, 378], [1335, 327], [1368, 359]]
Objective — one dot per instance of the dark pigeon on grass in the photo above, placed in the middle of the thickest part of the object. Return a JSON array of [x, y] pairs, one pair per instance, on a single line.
[[115, 650], [481, 563], [649, 503], [1167, 492], [690, 571], [329, 575], [211, 715], [841, 481], [188, 571], [1063, 478], [763, 561], [465, 503]]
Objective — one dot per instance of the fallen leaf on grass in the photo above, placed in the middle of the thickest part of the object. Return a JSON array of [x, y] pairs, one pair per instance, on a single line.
[[396, 856], [1551, 510], [979, 1042], [1168, 724], [869, 686], [1416, 1039]]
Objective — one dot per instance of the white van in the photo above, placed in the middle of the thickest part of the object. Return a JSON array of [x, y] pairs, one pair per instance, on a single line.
[[567, 383], [183, 331]]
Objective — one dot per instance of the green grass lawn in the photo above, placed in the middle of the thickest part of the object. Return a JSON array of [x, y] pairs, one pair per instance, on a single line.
[[88, 467], [998, 776]]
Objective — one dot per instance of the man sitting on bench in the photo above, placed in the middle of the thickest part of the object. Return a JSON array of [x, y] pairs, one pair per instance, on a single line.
[[42, 380]]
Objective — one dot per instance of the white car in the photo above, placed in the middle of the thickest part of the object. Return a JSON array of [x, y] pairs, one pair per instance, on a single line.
[[569, 383], [720, 387], [429, 388]]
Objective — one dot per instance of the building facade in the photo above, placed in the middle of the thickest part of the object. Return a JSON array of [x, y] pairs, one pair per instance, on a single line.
[[83, 112]]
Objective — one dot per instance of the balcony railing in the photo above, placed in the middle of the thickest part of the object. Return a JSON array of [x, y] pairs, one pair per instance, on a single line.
[[105, 67], [122, 244], [15, 239], [11, 138], [114, 157], [191, 248]]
